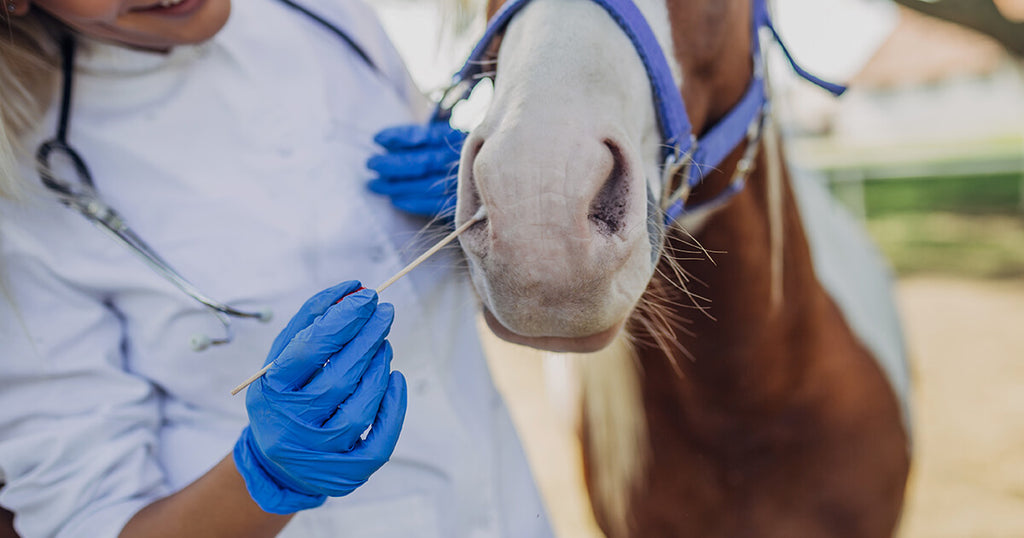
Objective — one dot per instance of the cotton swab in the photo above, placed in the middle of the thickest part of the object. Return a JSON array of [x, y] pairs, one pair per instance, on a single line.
[[481, 214]]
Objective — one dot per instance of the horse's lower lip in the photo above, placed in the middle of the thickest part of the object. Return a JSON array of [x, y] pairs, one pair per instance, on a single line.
[[583, 344]]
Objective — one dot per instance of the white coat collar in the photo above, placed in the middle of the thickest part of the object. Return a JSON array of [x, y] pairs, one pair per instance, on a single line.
[[109, 77], [99, 58]]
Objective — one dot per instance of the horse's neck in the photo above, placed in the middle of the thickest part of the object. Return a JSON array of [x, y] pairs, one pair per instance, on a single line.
[[766, 389], [743, 348]]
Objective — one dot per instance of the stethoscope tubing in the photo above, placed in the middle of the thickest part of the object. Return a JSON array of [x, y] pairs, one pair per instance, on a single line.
[[84, 198]]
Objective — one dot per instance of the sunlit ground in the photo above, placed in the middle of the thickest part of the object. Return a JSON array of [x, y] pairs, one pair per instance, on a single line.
[[967, 349]]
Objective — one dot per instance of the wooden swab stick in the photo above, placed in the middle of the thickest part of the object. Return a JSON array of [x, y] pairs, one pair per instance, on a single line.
[[480, 215]]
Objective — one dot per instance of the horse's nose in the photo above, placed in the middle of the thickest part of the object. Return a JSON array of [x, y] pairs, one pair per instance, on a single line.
[[545, 189], [564, 248]]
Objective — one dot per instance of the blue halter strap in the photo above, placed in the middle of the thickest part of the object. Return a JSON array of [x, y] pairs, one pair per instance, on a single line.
[[683, 153]]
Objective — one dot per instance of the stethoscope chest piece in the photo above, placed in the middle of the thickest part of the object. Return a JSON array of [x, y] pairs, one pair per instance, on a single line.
[[82, 197]]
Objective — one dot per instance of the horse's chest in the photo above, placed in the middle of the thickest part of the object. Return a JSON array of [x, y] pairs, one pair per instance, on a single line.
[[796, 477], [762, 494]]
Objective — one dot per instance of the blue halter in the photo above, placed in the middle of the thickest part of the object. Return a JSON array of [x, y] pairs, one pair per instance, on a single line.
[[683, 153]]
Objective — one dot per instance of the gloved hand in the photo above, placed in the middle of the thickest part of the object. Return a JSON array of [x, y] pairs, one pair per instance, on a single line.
[[330, 381], [419, 169]]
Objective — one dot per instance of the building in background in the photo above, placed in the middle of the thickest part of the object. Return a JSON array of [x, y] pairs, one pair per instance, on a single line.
[[934, 100]]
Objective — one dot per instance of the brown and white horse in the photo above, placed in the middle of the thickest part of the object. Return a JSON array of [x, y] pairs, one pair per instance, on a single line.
[[748, 406]]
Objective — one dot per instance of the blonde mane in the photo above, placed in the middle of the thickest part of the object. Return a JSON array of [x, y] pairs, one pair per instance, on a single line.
[[28, 74]]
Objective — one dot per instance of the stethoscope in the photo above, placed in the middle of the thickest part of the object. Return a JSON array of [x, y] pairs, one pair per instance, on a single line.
[[83, 197]]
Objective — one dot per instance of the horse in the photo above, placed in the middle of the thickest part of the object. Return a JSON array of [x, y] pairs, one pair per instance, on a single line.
[[748, 403]]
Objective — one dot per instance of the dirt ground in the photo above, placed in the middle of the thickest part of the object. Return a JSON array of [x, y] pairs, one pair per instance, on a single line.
[[966, 340]]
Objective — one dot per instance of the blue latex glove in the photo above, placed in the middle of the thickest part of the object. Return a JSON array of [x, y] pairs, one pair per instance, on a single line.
[[330, 381], [419, 169]]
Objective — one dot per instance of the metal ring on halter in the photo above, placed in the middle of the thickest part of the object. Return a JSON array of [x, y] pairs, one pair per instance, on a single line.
[[674, 165], [743, 167]]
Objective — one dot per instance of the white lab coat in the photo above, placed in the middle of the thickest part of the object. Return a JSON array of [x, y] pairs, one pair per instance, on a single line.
[[242, 163]]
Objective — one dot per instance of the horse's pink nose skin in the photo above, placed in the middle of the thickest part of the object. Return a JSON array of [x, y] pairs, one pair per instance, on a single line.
[[566, 220], [584, 186]]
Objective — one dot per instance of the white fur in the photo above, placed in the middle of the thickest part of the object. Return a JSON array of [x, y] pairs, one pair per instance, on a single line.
[[618, 437], [568, 76], [568, 79]]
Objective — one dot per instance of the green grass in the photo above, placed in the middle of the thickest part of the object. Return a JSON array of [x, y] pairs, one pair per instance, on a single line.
[[958, 244], [998, 194], [962, 226]]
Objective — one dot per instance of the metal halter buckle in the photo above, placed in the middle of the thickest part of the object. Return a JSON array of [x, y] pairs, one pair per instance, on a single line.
[[746, 162], [677, 164]]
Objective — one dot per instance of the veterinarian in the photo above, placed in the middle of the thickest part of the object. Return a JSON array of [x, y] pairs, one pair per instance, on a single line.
[[203, 180]]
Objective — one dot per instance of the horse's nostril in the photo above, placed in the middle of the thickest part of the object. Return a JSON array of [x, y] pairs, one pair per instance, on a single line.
[[608, 210], [469, 199], [469, 194]]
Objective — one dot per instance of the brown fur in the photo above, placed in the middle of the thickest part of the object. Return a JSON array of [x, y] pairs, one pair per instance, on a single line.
[[782, 423], [764, 420]]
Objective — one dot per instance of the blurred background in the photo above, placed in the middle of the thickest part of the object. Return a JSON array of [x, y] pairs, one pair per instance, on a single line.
[[927, 149]]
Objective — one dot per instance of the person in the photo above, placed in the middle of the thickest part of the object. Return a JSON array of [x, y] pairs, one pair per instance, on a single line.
[[232, 138]]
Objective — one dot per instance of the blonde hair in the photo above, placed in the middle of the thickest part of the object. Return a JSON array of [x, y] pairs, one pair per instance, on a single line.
[[29, 61]]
